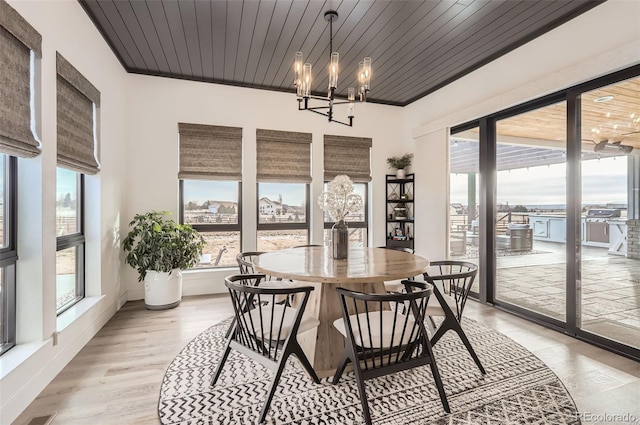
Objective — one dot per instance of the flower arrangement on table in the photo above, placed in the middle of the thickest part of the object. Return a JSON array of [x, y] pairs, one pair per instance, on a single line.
[[339, 199]]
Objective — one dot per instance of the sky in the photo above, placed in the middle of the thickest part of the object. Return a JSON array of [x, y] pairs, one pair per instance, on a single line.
[[66, 183], [604, 181]]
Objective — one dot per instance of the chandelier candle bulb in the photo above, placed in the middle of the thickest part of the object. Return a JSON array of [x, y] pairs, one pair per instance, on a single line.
[[297, 68], [333, 71], [306, 80], [352, 97]]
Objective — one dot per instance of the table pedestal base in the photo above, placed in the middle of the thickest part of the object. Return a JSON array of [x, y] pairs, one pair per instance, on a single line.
[[324, 345]]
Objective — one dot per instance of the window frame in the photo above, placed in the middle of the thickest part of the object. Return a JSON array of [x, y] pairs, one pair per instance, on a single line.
[[9, 254], [75, 240], [212, 227]]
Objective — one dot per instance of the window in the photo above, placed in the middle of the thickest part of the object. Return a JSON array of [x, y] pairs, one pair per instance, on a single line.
[[283, 173], [283, 215], [358, 222], [213, 208], [8, 252], [20, 45], [210, 189], [70, 239]]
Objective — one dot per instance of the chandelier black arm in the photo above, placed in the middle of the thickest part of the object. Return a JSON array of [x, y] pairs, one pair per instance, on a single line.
[[324, 114]]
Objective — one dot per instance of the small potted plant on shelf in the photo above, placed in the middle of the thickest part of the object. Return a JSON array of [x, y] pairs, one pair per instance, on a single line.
[[159, 249], [400, 164]]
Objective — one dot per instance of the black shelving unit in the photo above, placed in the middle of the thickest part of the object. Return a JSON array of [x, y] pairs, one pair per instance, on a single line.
[[400, 211]]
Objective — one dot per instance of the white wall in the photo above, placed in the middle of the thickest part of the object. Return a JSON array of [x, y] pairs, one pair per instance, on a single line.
[[157, 105], [27, 368], [598, 42]]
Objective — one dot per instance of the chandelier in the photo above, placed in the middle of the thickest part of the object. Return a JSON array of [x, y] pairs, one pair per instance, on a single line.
[[303, 79]]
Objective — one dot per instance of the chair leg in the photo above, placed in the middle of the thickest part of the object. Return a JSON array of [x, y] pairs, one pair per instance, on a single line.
[[272, 387], [436, 377], [467, 343], [297, 350], [231, 326], [363, 393], [216, 375], [344, 361]]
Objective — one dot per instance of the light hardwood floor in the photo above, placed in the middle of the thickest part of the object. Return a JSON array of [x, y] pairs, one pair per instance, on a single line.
[[116, 378]]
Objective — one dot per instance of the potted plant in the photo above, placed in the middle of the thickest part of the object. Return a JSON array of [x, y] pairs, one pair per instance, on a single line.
[[159, 249], [400, 163]]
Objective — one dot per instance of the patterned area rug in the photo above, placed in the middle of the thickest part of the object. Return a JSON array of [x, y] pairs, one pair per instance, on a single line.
[[517, 389]]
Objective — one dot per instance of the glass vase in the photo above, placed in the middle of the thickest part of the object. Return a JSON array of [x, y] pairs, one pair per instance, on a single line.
[[340, 240]]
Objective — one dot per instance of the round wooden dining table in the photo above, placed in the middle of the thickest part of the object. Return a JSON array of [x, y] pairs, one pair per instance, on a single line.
[[365, 270]]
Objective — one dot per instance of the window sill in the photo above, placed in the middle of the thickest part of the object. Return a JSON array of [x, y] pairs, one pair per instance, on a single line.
[[229, 269], [76, 311], [17, 355]]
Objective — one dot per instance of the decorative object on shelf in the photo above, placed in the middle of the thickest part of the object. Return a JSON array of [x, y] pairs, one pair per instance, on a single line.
[[339, 200], [303, 79], [400, 164], [159, 250]]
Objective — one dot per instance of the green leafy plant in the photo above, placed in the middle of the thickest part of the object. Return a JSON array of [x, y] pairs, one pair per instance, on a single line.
[[159, 244], [400, 162]]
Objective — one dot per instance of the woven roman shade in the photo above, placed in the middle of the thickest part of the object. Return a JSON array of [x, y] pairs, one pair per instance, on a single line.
[[76, 98], [17, 40], [210, 152], [347, 155], [283, 156]]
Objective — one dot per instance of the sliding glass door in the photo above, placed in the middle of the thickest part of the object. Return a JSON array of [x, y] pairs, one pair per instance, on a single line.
[[556, 182], [609, 294], [530, 228], [464, 235]]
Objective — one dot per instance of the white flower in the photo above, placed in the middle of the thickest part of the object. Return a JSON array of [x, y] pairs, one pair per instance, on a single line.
[[339, 199]]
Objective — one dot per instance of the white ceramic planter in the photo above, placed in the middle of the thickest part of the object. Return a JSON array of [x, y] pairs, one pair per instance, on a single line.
[[401, 173], [162, 290]]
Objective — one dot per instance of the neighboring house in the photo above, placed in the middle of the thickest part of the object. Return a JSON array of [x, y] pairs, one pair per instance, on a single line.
[[268, 207]]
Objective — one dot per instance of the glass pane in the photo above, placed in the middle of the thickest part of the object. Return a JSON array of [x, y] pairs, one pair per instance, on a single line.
[[221, 249], [210, 202], [66, 277], [357, 216], [282, 203], [464, 210], [610, 261], [274, 240], [531, 211], [67, 207], [3, 198], [357, 237]]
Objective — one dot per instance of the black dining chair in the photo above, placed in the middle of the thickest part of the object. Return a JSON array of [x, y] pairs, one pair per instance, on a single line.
[[452, 281], [245, 264], [266, 331], [382, 340], [396, 284]]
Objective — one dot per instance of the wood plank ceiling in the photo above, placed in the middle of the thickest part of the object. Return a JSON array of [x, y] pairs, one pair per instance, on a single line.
[[417, 47], [538, 137]]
